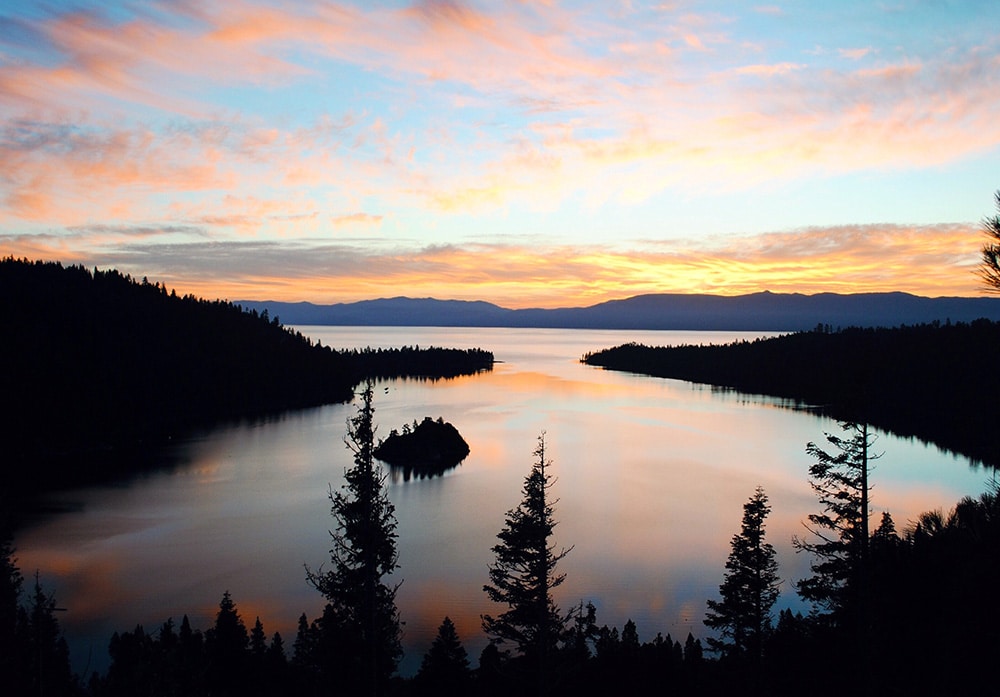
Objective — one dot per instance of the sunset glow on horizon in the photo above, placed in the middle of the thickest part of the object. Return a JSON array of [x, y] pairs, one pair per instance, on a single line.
[[544, 154]]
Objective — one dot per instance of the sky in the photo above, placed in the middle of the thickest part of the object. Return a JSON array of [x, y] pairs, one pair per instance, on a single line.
[[532, 154]]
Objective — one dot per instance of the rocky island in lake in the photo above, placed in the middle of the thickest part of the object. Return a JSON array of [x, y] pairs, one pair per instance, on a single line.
[[427, 448]]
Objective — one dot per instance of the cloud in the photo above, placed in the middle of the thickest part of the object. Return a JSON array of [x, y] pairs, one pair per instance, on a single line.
[[854, 53], [928, 260], [637, 104], [693, 41], [248, 131], [766, 70], [357, 219]]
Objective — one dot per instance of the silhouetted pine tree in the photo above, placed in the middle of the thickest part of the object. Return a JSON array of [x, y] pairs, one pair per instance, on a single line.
[[360, 627], [524, 575], [190, 657], [258, 640], [12, 660], [445, 668], [582, 632], [47, 653], [840, 545], [840, 537], [276, 666], [748, 590], [989, 265], [226, 649], [694, 660]]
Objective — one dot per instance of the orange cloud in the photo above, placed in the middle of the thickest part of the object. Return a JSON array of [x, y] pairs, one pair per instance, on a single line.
[[501, 111], [925, 260]]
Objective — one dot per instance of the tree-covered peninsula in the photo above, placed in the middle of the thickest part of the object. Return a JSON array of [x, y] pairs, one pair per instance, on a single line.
[[937, 382], [97, 363]]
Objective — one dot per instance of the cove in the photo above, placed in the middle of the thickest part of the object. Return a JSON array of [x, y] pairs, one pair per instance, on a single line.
[[651, 476]]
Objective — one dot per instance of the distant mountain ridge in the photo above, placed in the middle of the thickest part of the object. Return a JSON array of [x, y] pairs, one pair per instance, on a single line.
[[764, 311]]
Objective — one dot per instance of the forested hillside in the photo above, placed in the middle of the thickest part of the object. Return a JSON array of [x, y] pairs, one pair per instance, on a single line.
[[96, 362], [937, 382]]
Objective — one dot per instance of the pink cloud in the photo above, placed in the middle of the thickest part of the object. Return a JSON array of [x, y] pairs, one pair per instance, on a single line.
[[621, 122], [854, 53], [693, 41], [767, 70]]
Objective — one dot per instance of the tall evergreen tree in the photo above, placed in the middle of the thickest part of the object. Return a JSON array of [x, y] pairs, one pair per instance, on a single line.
[[524, 576], [841, 546], [839, 534], [360, 624], [748, 590]]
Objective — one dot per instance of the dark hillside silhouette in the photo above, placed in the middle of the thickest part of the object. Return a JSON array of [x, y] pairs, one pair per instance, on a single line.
[[934, 381], [97, 362], [764, 311]]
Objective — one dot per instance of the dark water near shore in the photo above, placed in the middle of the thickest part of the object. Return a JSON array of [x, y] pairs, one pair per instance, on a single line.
[[652, 476]]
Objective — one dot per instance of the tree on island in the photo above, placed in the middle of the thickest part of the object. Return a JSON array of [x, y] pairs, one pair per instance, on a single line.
[[359, 637], [524, 576], [427, 448], [989, 265], [748, 590]]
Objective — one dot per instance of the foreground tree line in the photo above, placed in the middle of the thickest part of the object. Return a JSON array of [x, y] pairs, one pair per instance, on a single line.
[[892, 613], [107, 364]]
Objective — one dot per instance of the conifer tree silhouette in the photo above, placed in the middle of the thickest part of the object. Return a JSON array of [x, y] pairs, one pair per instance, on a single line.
[[748, 592], [839, 537], [360, 628], [524, 575], [989, 265], [445, 668]]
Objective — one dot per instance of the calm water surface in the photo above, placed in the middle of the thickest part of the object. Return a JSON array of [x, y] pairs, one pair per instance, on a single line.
[[652, 476]]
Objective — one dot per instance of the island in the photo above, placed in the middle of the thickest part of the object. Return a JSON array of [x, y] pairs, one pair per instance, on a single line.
[[425, 449]]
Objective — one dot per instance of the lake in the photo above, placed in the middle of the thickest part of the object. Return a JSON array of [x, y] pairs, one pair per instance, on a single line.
[[652, 475]]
